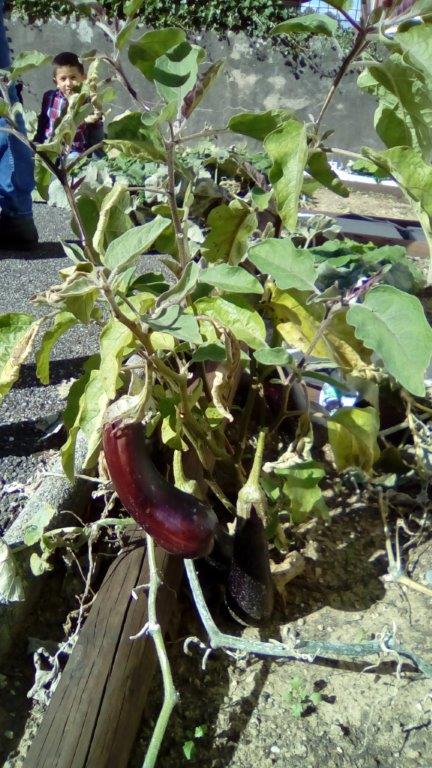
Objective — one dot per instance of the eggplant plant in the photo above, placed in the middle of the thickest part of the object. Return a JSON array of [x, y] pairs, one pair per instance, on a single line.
[[214, 359]]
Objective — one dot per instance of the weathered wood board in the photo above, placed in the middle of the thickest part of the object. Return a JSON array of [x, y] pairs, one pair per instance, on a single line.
[[95, 712]]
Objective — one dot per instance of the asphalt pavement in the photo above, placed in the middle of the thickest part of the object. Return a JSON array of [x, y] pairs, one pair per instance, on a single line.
[[27, 411]]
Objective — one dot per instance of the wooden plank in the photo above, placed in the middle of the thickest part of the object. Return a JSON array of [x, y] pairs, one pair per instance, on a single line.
[[96, 710]]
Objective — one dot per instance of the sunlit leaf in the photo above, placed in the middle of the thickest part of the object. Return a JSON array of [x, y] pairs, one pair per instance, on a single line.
[[353, 436], [230, 279], [288, 266], [17, 335], [237, 315], [231, 226], [62, 322], [287, 149]]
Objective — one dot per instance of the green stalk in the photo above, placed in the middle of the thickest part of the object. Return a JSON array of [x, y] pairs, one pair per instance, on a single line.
[[170, 694]]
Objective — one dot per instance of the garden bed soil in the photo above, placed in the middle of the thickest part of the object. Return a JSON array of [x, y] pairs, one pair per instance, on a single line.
[[379, 203]]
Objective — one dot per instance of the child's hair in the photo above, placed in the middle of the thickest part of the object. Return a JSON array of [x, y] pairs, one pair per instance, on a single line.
[[67, 59]]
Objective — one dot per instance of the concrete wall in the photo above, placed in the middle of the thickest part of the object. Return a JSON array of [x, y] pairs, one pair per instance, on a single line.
[[257, 76]]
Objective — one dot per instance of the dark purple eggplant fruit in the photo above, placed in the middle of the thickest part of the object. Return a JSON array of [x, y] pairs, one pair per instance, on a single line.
[[249, 590], [178, 522]]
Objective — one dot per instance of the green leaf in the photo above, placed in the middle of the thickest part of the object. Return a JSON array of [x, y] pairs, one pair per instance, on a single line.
[[272, 356], [144, 53], [353, 434], [214, 352], [230, 279], [289, 267], [17, 334], [43, 177], [131, 7], [302, 488], [393, 324], [39, 565], [287, 149], [129, 133], [39, 522], [177, 323], [11, 586], [61, 324], [258, 125], [113, 340], [122, 251], [417, 43], [308, 24], [410, 171], [189, 749], [176, 72], [231, 226], [125, 33], [27, 60], [182, 288], [237, 315], [319, 167]]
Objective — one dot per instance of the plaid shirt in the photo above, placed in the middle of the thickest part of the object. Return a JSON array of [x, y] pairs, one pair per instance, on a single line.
[[54, 106]]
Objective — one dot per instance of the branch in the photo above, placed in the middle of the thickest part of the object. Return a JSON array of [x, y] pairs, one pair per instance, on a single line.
[[299, 650]]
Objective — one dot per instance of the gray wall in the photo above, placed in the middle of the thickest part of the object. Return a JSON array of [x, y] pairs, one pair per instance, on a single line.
[[256, 77]]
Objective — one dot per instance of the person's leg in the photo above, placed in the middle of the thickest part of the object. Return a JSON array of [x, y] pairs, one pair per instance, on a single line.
[[17, 229]]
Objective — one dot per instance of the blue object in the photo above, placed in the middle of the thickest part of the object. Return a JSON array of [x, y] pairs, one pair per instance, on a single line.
[[16, 159], [332, 398]]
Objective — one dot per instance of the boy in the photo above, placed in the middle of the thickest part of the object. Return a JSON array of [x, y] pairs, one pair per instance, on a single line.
[[68, 75]]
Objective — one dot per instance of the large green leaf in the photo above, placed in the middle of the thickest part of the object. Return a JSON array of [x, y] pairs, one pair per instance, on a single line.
[[393, 324], [236, 315], [17, 334], [417, 43], [288, 266], [176, 71], [319, 167], [287, 149], [309, 24], [404, 113], [61, 324], [129, 133], [258, 125], [409, 170], [144, 53], [353, 434], [230, 279], [181, 325], [27, 60], [231, 225], [122, 251]]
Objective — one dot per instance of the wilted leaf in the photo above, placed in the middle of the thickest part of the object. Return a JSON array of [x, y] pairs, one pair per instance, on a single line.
[[231, 225], [17, 334], [113, 340], [61, 324], [11, 586], [353, 436]]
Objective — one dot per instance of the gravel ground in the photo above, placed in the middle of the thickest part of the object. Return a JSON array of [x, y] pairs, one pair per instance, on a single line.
[[27, 410]]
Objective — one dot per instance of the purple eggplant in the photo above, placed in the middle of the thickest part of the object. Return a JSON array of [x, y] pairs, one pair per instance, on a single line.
[[177, 521]]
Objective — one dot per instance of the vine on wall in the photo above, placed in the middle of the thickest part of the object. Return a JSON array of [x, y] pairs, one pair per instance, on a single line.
[[255, 17]]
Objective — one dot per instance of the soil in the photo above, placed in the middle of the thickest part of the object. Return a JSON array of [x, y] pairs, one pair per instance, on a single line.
[[373, 713], [377, 203]]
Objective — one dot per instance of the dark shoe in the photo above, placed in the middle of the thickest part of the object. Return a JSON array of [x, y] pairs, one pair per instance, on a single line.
[[17, 233]]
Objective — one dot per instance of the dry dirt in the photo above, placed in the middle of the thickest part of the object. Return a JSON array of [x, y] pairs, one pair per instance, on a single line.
[[371, 712], [379, 203]]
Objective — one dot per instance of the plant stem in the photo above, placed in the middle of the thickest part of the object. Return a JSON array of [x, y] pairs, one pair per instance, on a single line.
[[170, 694], [345, 153], [201, 134], [300, 650], [178, 229], [359, 44]]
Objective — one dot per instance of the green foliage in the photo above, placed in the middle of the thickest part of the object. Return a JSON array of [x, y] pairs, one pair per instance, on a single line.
[[256, 17], [299, 698]]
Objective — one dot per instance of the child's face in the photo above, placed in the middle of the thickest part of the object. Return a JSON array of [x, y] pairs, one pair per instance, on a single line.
[[67, 79]]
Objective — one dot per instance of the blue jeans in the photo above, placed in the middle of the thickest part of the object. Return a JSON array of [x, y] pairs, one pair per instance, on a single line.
[[16, 159]]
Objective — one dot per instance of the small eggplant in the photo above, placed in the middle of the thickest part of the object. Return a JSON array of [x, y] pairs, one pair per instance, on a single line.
[[250, 590], [178, 522]]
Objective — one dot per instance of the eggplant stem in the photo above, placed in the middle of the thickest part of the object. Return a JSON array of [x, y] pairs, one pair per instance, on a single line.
[[297, 649], [170, 694]]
